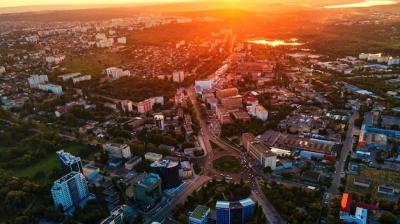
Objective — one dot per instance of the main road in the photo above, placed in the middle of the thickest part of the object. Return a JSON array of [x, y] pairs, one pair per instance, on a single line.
[[249, 175], [164, 208], [346, 149]]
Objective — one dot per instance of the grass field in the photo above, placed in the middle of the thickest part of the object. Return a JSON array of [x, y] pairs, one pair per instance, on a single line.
[[93, 64], [377, 177], [228, 164], [171, 33], [46, 165]]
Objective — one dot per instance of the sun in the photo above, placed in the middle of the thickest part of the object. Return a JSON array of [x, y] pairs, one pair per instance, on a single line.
[[235, 2]]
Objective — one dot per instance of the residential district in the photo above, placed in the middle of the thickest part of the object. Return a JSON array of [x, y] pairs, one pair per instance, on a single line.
[[213, 129]]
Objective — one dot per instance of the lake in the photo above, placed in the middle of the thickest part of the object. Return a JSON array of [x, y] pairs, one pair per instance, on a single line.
[[275, 43], [367, 3]]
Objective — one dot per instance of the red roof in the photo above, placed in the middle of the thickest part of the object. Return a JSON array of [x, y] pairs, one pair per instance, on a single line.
[[250, 99], [345, 203], [330, 157], [367, 206], [361, 145]]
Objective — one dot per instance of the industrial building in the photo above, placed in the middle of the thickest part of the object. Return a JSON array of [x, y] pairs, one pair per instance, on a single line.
[[308, 147]]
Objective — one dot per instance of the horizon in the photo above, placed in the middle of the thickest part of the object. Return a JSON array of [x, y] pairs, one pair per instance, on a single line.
[[21, 6], [30, 3], [199, 111]]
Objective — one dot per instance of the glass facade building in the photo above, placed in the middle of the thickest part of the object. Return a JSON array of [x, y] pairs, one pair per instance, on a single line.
[[148, 190], [70, 191], [69, 162], [237, 212]]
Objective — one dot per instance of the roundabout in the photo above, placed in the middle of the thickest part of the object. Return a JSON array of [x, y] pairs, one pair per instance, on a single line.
[[229, 164]]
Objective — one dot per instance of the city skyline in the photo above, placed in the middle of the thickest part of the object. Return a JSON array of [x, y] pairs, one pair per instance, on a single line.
[[200, 111]]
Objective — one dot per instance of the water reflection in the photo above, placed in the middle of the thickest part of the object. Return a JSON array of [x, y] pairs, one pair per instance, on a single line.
[[276, 43], [367, 3]]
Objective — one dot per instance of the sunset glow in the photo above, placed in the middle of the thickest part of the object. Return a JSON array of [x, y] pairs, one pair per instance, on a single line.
[[276, 43], [77, 2], [199, 111], [362, 4]]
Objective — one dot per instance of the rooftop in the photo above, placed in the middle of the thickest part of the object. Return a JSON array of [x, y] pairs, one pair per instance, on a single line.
[[150, 180], [235, 204], [199, 212], [246, 202], [67, 158], [261, 148], [222, 204], [281, 140], [66, 177], [164, 163]]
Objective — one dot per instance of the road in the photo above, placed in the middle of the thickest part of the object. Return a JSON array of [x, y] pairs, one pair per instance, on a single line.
[[164, 208], [271, 214], [249, 175], [346, 149]]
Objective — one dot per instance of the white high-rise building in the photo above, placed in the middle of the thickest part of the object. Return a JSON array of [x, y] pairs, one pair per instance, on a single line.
[[70, 191], [159, 119], [127, 105], [35, 80], [2, 70], [178, 76]]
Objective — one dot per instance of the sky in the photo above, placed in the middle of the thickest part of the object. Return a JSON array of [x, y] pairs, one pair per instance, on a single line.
[[11, 3]]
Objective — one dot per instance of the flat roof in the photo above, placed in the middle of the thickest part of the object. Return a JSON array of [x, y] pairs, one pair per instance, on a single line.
[[199, 212], [152, 154], [222, 204], [66, 177], [262, 149], [67, 158], [345, 202], [292, 142], [246, 202], [164, 163], [150, 180]]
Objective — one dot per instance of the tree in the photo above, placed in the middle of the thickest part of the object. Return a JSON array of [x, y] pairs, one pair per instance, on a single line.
[[182, 218], [139, 219], [387, 218], [92, 212], [267, 169]]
